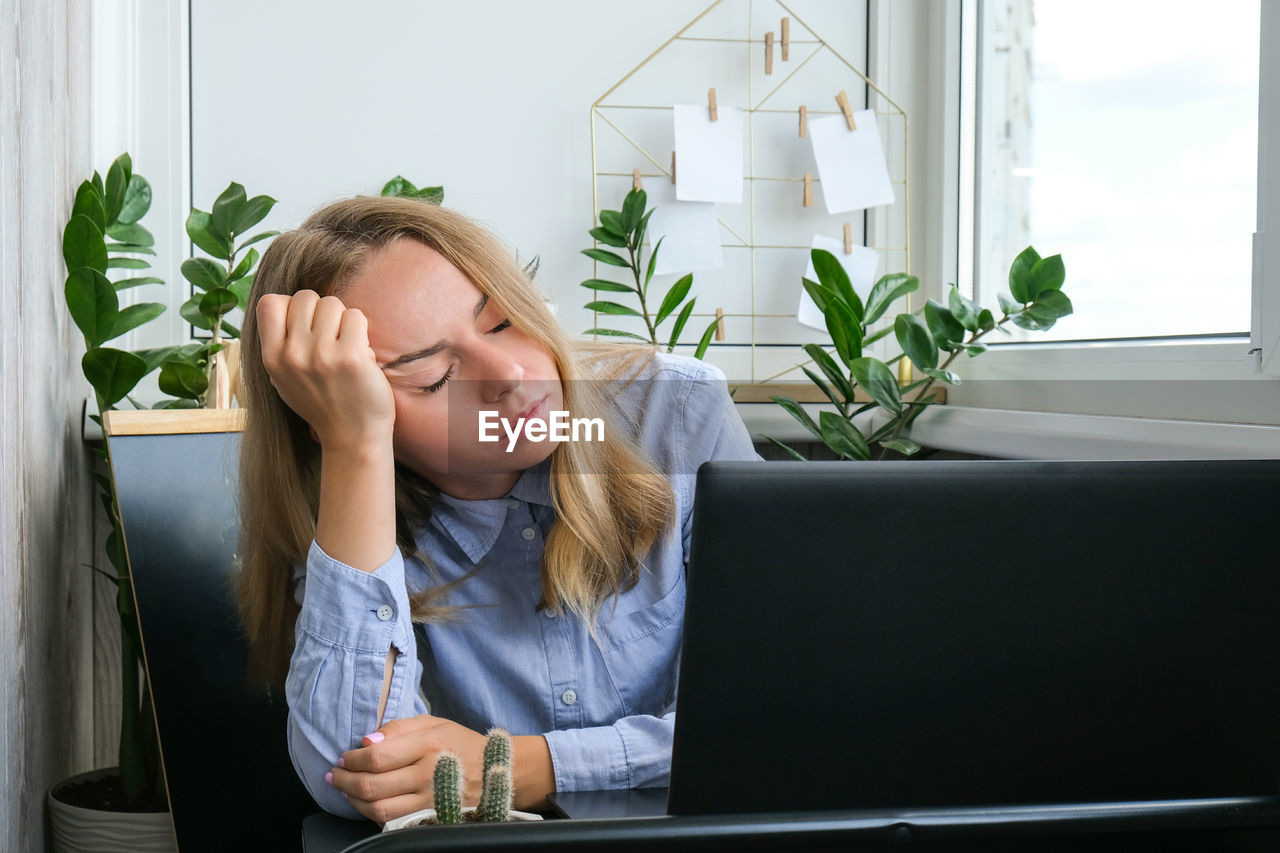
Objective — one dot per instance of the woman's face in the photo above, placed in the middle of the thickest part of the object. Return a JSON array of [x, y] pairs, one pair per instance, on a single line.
[[449, 354]]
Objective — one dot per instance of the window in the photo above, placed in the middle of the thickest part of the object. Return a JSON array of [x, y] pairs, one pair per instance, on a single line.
[[1123, 135]]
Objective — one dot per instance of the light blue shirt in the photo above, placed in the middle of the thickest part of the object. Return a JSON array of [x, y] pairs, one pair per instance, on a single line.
[[607, 710]]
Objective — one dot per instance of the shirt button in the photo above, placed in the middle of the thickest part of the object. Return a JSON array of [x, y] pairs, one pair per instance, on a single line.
[[385, 612], [548, 613], [568, 697], [528, 533], [512, 503]]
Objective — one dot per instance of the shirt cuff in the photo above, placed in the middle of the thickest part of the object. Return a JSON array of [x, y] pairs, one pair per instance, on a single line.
[[593, 759], [351, 609]]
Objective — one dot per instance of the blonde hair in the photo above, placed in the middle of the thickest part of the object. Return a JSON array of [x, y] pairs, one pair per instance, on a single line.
[[611, 504]]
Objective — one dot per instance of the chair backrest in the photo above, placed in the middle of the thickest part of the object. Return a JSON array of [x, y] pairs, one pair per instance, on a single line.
[[230, 781]]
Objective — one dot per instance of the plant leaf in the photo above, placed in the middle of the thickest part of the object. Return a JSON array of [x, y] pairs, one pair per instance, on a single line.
[[653, 261], [843, 437], [134, 316], [251, 213], [399, 186], [83, 245], [255, 238], [641, 228], [126, 283], [200, 230], [190, 311], [1020, 274], [117, 182], [674, 297], [611, 286], [605, 307], [615, 333], [89, 203], [633, 209], [845, 331], [226, 209], [705, 340], [975, 350], [182, 380], [944, 375], [113, 373], [241, 289], [128, 249], [1007, 305], [608, 238], [153, 358], [611, 221], [217, 302], [127, 264], [1047, 274], [799, 414], [915, 340], [946, 329], [203, 273], [131, 233], [678, 326], [93, 305], [137, 200], [826, 389], [829, 367], [888, 289], [606, 257], [965, 310], [242, 268], [790, 450], [834, 276], [878, 381], [905, 446], [986, 320]]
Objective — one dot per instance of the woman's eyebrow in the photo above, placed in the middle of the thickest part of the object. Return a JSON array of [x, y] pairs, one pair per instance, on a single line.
[[402, 360]]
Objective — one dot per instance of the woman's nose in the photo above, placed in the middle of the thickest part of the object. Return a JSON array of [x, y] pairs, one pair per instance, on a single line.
[[499, 374]]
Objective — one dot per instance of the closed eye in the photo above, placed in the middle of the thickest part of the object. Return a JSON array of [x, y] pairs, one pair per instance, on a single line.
[[505, 324], [436, 386]]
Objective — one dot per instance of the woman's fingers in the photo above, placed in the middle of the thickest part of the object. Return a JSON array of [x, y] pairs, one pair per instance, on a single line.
[[381, 811], [382, 796]]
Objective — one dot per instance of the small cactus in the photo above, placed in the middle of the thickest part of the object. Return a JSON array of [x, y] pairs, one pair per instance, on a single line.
[[495, 799], [448, 788], [497, 749]]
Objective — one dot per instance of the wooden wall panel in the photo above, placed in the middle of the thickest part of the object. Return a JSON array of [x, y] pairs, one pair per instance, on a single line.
[[46, 683]]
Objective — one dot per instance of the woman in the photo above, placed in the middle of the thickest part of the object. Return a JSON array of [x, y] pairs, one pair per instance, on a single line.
[[418, 584]]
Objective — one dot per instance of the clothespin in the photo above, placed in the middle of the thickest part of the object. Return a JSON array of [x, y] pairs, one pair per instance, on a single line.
[[843, 100], [635, 179], [768, 53], [786, 38], [848, 238], [808, 189], [719, 324], [804, 121], [673, 167], [711, 103]]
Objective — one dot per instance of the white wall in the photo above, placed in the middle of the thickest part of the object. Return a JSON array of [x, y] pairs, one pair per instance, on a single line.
[[315, 101]]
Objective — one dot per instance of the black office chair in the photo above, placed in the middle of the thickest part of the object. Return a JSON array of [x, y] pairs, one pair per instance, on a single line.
[[230, 781]]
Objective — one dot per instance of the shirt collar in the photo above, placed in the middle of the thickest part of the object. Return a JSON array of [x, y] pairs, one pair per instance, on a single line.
[[476, 525]]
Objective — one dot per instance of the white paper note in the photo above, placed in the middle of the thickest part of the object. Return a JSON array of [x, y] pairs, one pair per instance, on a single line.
[[851, 163], [861, 266], [708, 154], [690, 229]]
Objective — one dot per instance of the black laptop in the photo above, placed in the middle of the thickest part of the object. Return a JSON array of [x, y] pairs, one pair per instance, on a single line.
[[945, 639]]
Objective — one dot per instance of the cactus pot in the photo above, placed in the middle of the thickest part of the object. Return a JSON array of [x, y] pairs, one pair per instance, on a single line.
[[426, 816]]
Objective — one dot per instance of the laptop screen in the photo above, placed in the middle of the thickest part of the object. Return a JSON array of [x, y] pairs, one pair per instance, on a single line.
[[917, 634]]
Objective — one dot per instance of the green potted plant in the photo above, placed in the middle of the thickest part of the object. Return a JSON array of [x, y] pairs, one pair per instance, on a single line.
[[495, 796], [625, 229], [104, 234], [931, 339]]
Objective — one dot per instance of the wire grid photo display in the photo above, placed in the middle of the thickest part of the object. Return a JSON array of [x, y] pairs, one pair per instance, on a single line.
[[766, 239]]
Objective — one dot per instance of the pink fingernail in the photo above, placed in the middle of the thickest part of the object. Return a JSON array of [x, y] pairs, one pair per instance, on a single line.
[[328, 777], [342, 762], [376, 737]]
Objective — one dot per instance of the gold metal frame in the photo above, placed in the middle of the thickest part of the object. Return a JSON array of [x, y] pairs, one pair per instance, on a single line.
[[753, 107]]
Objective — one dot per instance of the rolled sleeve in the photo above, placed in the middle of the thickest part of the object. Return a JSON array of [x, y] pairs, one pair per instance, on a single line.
[[348, 621], [634, 752]]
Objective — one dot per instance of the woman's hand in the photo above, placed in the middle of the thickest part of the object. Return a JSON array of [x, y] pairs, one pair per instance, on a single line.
[[317, 353], [392, 773]]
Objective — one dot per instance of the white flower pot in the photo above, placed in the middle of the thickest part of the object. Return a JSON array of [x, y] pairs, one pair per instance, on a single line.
[[424, 814], [82, 830]]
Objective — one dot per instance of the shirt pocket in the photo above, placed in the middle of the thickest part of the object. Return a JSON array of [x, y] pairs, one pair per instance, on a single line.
[[642, 648]]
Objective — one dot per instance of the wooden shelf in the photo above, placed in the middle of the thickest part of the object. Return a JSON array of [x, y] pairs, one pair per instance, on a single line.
[[807, 392]]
